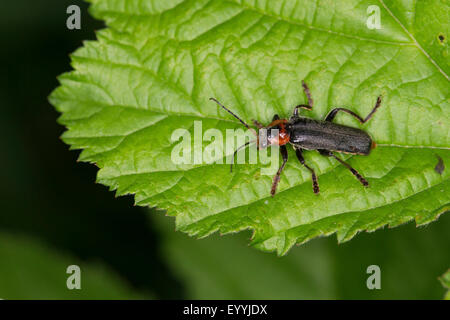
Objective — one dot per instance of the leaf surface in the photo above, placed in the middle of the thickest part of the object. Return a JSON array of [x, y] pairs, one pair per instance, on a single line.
[[155, 66]]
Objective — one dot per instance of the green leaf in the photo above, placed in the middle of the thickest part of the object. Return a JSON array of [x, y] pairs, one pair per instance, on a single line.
[[30, 270], [155, 66], [445, 280]]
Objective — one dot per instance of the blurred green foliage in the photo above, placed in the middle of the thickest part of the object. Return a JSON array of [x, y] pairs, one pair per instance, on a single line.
[[410, 260], [29, 270], [445, 280]]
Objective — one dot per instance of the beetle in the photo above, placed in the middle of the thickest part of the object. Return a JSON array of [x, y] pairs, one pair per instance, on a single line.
[[303, 133]]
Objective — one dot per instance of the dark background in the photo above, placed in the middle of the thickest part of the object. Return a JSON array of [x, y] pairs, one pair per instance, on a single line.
[[47, 194]]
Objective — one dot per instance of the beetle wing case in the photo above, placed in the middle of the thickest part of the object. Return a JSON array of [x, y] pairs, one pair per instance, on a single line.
[[316, 135]]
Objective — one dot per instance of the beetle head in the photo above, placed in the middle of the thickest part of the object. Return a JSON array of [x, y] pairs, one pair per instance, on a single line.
[[272, 136]]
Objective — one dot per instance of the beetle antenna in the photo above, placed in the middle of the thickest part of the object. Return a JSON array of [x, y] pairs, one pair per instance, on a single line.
[[231, 112], [237, 150]]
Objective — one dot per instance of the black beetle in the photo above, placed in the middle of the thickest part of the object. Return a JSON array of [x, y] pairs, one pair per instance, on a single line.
[[305, 133]]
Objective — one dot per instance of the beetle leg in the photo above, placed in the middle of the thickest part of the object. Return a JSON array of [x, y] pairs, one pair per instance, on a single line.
[[361, 179], [300, 158], [308, 94], [275, 122], [324, 152], [276, 179], [257, 124], [303, 106], [333, 112]]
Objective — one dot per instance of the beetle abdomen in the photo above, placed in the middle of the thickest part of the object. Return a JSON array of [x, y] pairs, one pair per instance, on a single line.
[[315, 134]]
